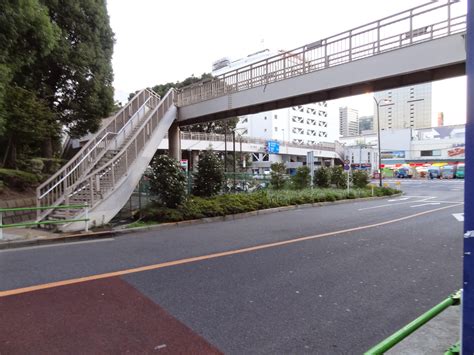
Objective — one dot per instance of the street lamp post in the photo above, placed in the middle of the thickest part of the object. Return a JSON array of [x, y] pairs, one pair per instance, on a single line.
[[378, 137]]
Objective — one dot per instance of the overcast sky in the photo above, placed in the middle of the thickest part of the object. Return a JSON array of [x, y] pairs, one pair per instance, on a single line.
[[163, 41]]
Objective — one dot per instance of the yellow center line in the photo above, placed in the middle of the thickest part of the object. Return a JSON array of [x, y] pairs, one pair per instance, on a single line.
[[209, 256]]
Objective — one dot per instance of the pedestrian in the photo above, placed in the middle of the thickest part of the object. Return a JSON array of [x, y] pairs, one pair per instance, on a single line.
[[431, 175]]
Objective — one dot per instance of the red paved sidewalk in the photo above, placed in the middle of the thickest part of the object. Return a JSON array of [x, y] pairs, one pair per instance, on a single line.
[[106, 316]]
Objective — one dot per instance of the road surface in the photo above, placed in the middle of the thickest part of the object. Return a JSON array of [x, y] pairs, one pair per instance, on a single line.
[[333, 279]]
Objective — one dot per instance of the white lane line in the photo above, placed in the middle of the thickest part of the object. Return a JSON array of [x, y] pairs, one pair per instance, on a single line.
[[65, 244], [399, 199], [425, 198], [459, 216], [427, 204]]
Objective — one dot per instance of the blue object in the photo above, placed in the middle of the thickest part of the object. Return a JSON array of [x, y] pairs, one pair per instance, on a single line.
[[468, 277], [273, 147]]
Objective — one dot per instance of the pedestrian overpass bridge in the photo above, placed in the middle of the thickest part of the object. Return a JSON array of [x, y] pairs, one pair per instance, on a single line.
[[421, 44]]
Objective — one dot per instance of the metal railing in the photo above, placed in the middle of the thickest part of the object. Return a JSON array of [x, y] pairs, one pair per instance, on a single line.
[[419, 24], [84, 207], [97, 184], [401, 334], [52, 191], [254, 140]]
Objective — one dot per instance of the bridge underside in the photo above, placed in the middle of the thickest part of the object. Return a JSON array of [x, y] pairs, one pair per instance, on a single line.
[[428, 61]]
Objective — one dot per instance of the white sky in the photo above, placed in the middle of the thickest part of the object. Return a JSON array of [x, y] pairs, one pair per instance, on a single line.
[[163, 41]]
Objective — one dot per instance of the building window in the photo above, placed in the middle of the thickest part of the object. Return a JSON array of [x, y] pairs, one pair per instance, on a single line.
[[276, 129], [264, 129], [276, 116], [265, 118]]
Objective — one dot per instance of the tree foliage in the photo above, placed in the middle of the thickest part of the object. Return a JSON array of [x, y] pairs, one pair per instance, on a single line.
[[360, 178], [277, 175], [55, 70], [209, 179], [322, 177], [167, 181], [302, 178], [338, 177]]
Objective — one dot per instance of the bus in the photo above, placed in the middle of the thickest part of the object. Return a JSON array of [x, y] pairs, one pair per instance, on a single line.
[[460, 171], [448, 171]]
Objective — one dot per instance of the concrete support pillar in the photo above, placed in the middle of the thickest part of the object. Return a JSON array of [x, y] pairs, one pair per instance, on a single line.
[[332, 162], [174, 142]]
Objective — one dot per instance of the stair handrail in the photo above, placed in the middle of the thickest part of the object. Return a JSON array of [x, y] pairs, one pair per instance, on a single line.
[[113, 164], [130, 121], [116, 124]]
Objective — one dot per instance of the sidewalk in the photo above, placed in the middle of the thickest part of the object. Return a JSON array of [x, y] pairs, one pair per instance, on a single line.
[[435, 337]]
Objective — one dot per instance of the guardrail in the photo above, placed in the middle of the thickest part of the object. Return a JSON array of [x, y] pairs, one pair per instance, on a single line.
[[419, 24], [38, 223], [398, 336]]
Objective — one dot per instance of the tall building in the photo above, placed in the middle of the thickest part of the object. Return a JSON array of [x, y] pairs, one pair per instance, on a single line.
[[406, 107], [366, 124], [303, 124], [348, 121]]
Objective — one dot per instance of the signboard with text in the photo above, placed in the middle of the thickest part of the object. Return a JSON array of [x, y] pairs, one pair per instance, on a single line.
[[273, 147]]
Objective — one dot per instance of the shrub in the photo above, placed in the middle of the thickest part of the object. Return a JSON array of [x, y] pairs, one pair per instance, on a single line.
[[301, 179], [322, 177], [338, 177], [17, 179], [35, 166], [360, 179], [209, 179], [167, 181], [277, 175]]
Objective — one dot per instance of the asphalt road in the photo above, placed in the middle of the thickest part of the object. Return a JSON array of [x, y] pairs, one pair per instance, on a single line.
[[333, 279]]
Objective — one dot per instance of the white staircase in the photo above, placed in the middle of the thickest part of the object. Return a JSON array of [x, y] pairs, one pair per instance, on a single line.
[[104, 173]]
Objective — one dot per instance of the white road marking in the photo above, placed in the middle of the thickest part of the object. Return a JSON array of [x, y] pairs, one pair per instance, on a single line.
[[425, 198], [459, 216], [399, 199], [427, 204], [57, 245]]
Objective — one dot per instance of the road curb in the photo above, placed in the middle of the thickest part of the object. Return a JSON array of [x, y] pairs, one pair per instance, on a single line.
[[231, 217]]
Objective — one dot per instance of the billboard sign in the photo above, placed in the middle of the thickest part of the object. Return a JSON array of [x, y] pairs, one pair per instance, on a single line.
[[273, 147], [396, 154]]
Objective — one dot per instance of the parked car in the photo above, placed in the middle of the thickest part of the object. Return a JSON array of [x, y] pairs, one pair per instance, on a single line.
[[404, 173], [433, 173]]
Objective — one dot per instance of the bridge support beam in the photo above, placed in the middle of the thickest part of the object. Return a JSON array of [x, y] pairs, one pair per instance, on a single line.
[[174, 141], [468, 277]]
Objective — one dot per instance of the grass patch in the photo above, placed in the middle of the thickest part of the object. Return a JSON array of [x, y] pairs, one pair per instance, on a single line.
[[198, 207], [18, 179]]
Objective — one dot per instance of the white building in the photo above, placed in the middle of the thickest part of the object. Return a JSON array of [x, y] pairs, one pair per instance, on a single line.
[[348, 121], [306, 124], [406, 107]]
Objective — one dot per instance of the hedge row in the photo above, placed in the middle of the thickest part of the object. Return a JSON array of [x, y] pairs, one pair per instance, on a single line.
[[197, 207]]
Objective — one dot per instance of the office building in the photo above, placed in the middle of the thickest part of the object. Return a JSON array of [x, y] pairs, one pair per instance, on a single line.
[[405, 107], [348, 121]]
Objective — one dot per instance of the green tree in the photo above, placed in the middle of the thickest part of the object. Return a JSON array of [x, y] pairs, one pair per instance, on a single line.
[[360, 178], [209, 179], [322, 177], [167, 181], [76, 77], [277, 175], [338, 177], [28, 122], [27, 36], [302, 178]]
